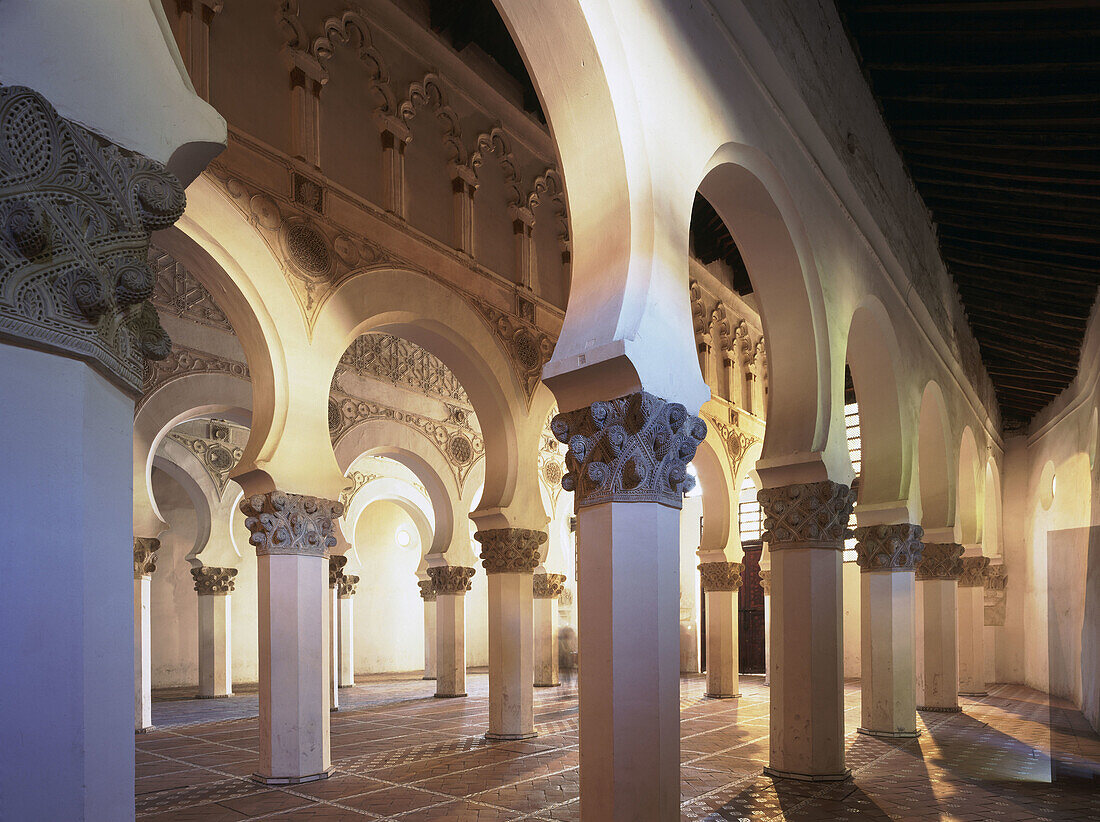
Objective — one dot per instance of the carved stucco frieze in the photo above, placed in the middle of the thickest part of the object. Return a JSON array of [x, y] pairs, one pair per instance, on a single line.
[[183, 361], [217, 457], [766, 581], [995, 581], [284, 523], [210, 581], [941, 560], [721, 576], [427, 590], [345, 588], [176, 292], [145, 556], [529, 348], [808, 512], [336, 564], [510, 550], [631, 449], [451, 579], [76, 212], [406, 364], [973, 570], [547, 586], [889, 547], [736, 441], [551, 461]]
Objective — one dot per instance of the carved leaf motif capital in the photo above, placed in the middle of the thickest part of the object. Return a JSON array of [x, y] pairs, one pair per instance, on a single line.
[[631, 449], [451, 579], [336, 564], [941, 560], [996, 579], [766, 581], [973, 571], [427, 590], [889, 547], [510, 550], [721, 576], [547, 586], [345, 588], [284, 523], [145, 556], [210, 580], [806, 512]]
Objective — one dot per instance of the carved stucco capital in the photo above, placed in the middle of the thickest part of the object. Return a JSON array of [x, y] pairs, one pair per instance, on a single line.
[[973, 570], [346, 586], [996, 579], [451, 579], [889, 547], [427, 590], [76, 212], [336, 564], [145, 556], [766, 581], [941, 560], [510, 550], [807, 512], [210, 581], [631, 449], [721, 576], [548, 586], [283, 523]]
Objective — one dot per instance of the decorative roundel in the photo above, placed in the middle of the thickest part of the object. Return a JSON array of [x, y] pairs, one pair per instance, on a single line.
[[334, 416], [526, 349], [460, 449], [552, 473], [308, 249], [219, 458]]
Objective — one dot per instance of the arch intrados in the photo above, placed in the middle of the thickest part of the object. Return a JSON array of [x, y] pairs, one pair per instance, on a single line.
[[711, 466], [966, 494], [195, 484], [933, 459], [409, 506]]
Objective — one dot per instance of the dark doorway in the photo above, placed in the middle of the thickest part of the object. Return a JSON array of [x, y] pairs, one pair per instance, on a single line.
[[750, 616]]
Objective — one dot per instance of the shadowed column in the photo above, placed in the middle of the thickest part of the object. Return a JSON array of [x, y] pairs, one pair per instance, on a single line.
[[346, 653], [937, 627], [336, 565], [546, 590], [972, 626], [145, 564], [721, 582], [450, 582], [427, 593], [215, 588]]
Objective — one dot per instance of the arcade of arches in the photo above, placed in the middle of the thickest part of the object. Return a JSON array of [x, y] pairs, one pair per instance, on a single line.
[[595, 372]]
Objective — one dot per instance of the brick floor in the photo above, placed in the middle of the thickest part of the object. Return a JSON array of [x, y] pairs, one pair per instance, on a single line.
[[399, 754]]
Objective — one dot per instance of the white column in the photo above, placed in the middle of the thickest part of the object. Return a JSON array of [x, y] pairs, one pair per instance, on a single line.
[[628, 536], [888, 556], [721, 582], [451, 582], [427, 593], [346, 650], [806, 524], [144, 565], [292, 575], [214, 587], [509, 556], [547, 588], [937, 627], [766, 584], [336, 565], [972, 626]]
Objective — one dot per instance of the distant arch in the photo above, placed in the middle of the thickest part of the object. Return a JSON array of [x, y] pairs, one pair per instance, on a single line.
[[933, 449]]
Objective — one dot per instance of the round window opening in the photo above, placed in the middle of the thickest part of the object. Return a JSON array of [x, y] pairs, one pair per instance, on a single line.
[[403, 537], [1048, 482]]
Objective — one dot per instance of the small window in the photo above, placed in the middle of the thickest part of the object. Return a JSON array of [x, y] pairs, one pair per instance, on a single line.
[[749, 514], [855, 454]]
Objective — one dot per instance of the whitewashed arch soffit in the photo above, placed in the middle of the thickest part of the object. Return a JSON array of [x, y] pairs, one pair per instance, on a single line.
[[934, 478]]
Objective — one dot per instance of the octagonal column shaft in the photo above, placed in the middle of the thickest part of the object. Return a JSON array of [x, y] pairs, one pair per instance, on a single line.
[[627, 468], [450, 582], [721, 582], [346, 651], [805, 525], [292, 535], [547, 589], [215, 588], [427, 593], [937, 627], [888, 557], [972, 626]]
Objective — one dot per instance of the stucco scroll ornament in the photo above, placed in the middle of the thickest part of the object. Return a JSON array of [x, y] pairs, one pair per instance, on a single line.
[[631, 449], [76, 212], [941, 560], [973, 572], [720, 576], [510, 550], [889, 547], [547, 586], [451, 579], [427, 590], [283, 523], [145, 556], [806, 512], [766, 581], [336, 564], [210, 581], [345, 588]]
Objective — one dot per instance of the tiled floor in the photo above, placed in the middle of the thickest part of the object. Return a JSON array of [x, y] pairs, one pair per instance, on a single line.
[[399, 754]]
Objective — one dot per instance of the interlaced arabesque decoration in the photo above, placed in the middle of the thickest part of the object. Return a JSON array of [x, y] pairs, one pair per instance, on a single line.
[[889, 547], [145, 556], [631, 449], [551, 460], [283, 523], [178, 293], [529, 347], [451, 579], [76, 213], [814, 512], [217, 456], [941, 560], [721, 576], [973, 571], [508, 550], [427, 590], [397, 361], [210, 581], [336, 564], [736, 441], [182, 362], [547, 586]]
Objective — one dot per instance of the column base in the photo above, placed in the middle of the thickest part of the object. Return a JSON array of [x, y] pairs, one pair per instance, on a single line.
[[548, 685], [291, 780], [722, 696], [448, 696], [974, 694], [509, 737], [809, 777], [889, 734], [213, 696], [148, 729], [432, 678], [334, 709], [949, 710], [352, 685]]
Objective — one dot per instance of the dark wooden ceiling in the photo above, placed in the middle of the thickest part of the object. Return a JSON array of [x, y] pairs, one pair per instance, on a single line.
[[994, 106]]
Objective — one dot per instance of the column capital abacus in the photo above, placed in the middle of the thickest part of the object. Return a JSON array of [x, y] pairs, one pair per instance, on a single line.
[[451, 579], [995, 578], [145, 556], [510, 550], [721, 576], [427, 590], [547, 586], [336, 564], [294, 524], [76, 214], [806, 515], [941, 560], [633, 448], [345, 588], [766, 581], [889, 547], [211, 581], [973, 570]]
